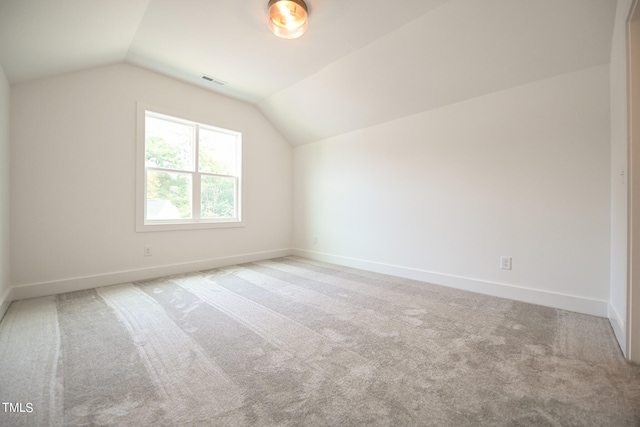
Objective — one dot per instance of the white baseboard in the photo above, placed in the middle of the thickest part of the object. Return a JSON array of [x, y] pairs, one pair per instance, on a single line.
[[618, 328], [89, 282], [529, 295], [534, 296], [5, 302]]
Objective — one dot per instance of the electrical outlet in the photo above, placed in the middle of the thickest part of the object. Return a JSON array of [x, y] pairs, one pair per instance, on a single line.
[[147, 250], [505, 262], [315, 240]]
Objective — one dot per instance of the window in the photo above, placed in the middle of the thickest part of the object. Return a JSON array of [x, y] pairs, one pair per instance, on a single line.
[[191, 174]]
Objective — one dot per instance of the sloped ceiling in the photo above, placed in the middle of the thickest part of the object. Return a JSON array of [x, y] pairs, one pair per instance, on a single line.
[[362, 62]]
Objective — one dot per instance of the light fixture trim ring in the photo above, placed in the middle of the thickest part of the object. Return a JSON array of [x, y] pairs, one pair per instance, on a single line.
[[300, 3]]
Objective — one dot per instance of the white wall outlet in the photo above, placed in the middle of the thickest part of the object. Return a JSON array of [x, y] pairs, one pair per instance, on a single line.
[[315, 240], [505, 262], [147, 250]]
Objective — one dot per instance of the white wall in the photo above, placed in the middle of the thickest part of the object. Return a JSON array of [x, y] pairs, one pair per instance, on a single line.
[[633, 313], [619, 174], [441, 195], [4, 193], [73, 181]]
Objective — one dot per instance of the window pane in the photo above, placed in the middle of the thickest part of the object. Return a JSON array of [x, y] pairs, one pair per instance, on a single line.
[[168, 144], [218, 152], [218, 197], [168, 195]]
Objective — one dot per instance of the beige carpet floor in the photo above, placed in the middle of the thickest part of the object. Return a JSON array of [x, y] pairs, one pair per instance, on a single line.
[[294, 342]]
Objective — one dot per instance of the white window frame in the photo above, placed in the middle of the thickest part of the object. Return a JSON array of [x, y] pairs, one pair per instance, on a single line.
[[143, 224]]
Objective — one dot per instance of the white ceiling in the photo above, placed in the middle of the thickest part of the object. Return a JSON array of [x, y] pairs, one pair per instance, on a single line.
[[362, 62]]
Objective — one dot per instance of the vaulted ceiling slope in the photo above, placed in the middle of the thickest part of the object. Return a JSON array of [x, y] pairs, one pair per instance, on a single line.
[[362, 62]]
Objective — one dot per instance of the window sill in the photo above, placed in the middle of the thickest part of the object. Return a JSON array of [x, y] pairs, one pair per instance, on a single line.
[[160, 226]]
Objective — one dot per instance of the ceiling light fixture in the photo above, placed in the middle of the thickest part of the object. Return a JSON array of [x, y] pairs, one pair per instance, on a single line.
[[288, 18]]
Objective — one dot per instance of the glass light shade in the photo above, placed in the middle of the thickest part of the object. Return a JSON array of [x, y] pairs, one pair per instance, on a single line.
[[288, 18]]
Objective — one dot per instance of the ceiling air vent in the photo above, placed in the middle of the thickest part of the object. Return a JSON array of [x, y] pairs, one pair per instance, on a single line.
[[213, 80]]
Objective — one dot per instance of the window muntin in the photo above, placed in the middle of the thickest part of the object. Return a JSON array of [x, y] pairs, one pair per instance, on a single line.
[[192, 172]]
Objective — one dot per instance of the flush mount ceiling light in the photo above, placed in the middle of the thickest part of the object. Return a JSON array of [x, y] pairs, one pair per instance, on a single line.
[[288, 18]]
